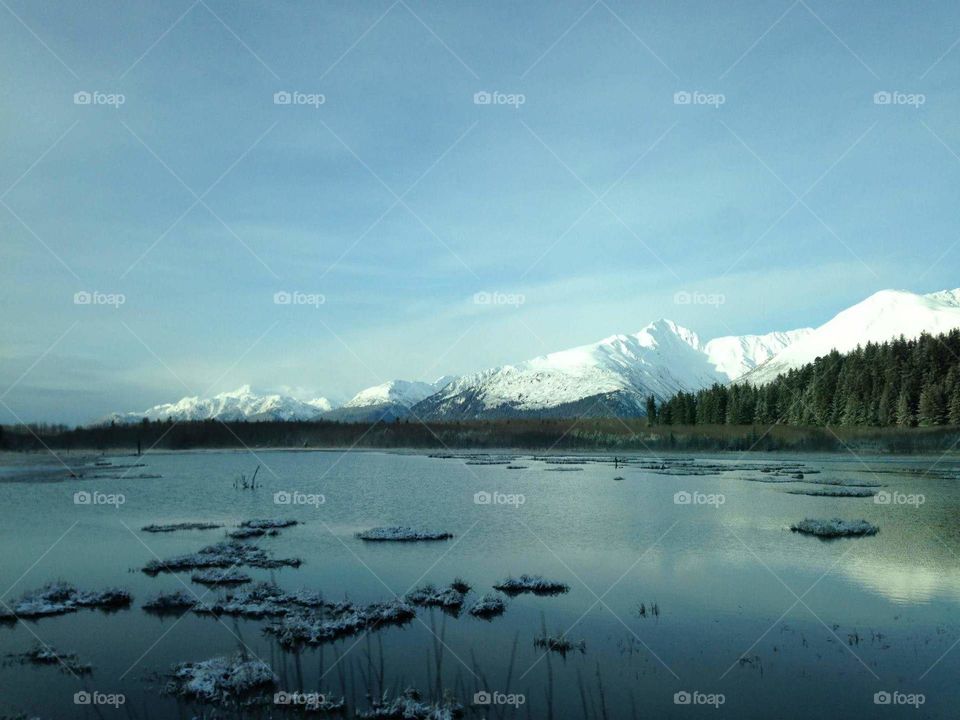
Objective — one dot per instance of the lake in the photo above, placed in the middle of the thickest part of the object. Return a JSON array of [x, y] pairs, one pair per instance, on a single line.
[[740, 617]]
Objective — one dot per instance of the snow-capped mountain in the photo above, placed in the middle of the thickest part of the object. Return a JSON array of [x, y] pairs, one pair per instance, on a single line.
[[736, 355], [403, 392], [240, 404], [882, 316], [613, 376], [387, 401]]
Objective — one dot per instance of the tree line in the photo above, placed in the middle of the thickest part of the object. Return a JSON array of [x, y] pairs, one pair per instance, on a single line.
[[904, 383], [628, 434]]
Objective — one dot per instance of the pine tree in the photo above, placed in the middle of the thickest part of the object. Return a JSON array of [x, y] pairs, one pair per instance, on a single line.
[[932, 408], [651, 410], [904, 412], [900, 382], [953, 409], [885, 406]]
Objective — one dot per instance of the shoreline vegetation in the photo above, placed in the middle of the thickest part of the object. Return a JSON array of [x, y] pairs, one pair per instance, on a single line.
[[607, 434]]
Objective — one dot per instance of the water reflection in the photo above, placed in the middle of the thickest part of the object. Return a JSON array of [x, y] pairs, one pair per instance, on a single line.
[[724, 577]]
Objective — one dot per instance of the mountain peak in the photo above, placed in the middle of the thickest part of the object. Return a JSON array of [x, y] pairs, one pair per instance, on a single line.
[[889, 295], [664, 327], [885, 315], [242, 391], [400, 393]]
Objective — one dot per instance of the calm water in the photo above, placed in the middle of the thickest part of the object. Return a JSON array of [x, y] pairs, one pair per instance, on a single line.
[[875, 614]]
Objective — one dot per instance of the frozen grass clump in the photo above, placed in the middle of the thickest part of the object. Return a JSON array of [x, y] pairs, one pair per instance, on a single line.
[[771, 479], [835, 528], [558, 644], [489, 606], [265, 600], [60, 598], [333, 622], [247, 533], [401, 534], [535, 584], [46, 655], [410, 706], [837, 491], [448, 598], [225, 554], [315, 628], [170, 602], [258, 528], [218, 576], [109, 599], [221, 680], [268, 524], [461, 585], [173, 527]]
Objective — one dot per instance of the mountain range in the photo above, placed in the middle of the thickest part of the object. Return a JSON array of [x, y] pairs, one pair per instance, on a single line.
[[387, 401], [240, 404], [613, 376]]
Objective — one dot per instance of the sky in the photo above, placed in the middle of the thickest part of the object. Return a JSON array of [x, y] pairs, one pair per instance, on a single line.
[[451, 186]]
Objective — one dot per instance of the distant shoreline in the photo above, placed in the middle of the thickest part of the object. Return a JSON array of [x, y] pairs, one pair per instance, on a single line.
[[590, 434]]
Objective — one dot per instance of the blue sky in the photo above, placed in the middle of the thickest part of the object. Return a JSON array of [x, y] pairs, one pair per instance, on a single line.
[[597, 199]]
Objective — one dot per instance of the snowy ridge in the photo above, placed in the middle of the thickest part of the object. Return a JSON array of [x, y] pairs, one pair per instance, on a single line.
[[401, 392], [621, 370], [615, 375], [736, 355], [882, 316], [240, 404], [387, 401]]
